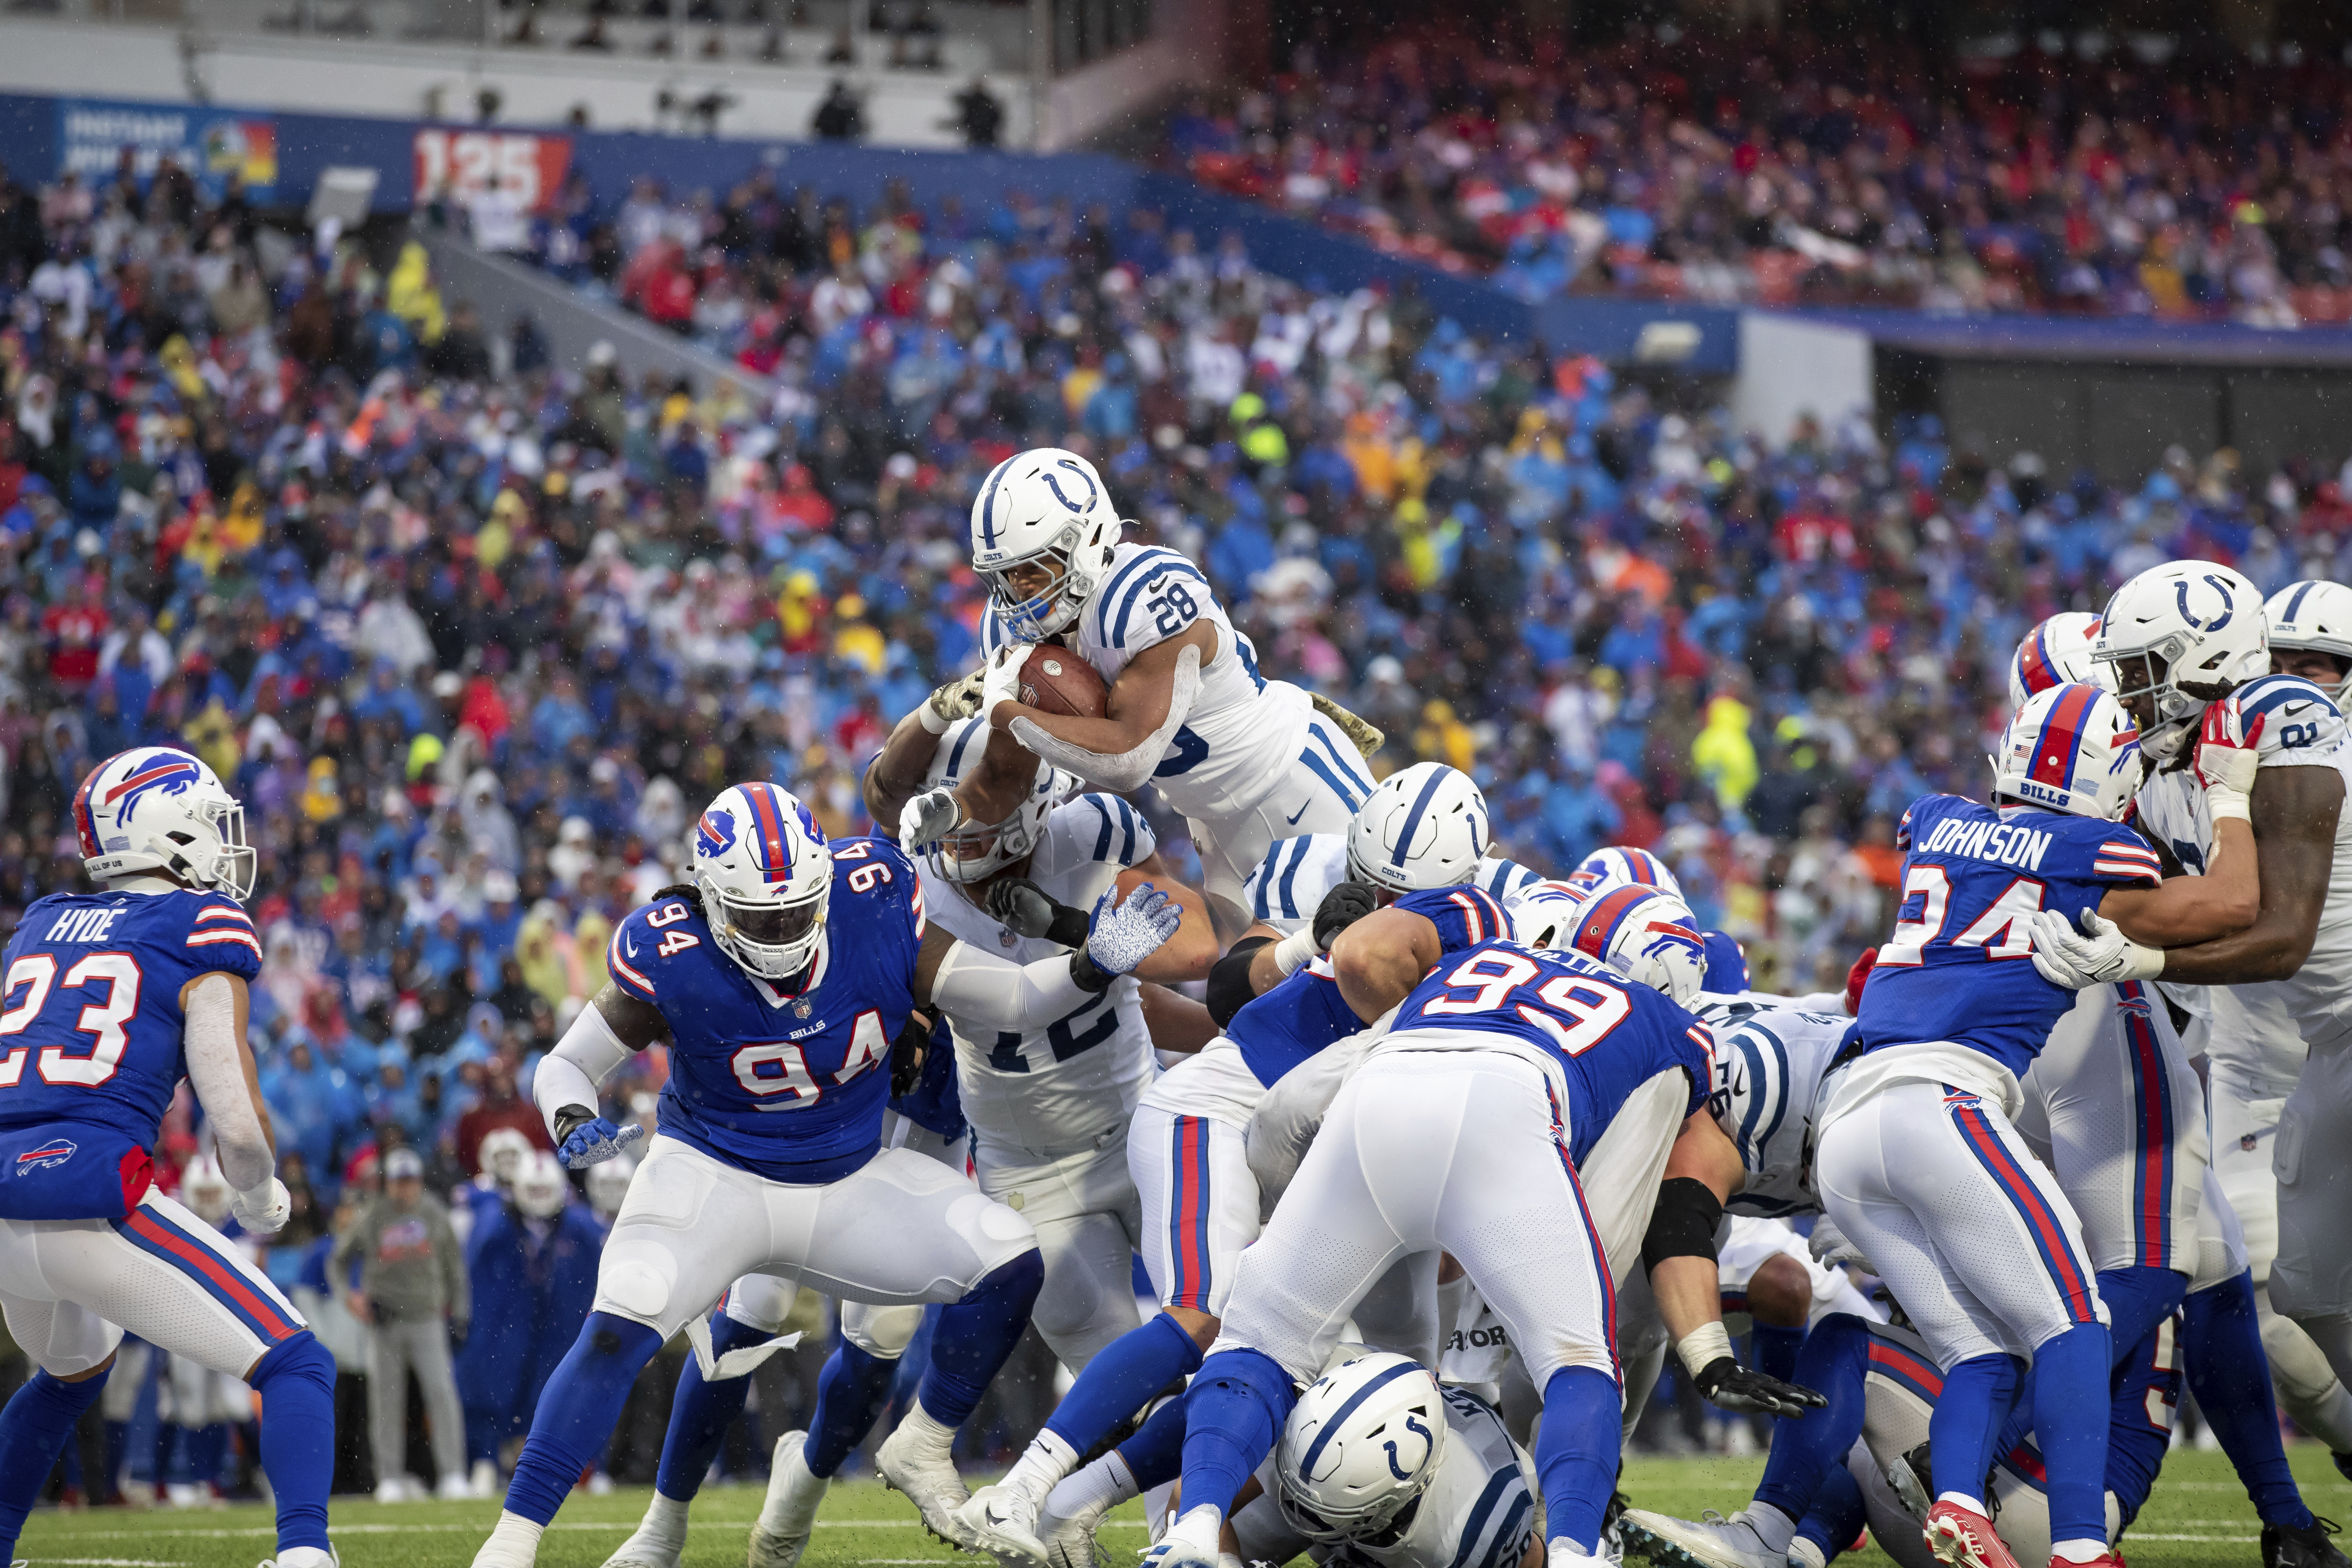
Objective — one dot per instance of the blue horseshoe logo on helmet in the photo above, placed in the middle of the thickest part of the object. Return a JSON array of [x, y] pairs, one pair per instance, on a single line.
[[1394, 1469], [1055, 485], [2229, 605]]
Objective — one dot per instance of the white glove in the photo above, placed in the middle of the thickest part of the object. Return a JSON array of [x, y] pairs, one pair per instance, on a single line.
[[959, 698], [2097, 955], [2228, 756], [927, 818], [1831, 1246], [1124, 937], [1001, 682], [264, 1210]]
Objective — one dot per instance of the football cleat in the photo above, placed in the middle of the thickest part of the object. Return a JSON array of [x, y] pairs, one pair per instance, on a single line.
[[2306, 1548], [1002, 1521], [1713, 1541], [930, 1483], [788, 1517], [1963, 1538]]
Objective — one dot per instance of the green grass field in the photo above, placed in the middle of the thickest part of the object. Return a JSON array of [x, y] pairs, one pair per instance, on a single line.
[[2198, 1515]]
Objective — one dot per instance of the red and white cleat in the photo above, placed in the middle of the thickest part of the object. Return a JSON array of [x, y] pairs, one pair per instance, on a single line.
[[1963, 1538]]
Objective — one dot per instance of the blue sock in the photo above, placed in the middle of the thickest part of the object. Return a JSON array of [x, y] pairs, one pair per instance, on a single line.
[[1576, 1453], [33, 1431], [1837, 1515], [484, 1427], [2071, 1408], [1156, 1453], [1976, 1402], [701, 1412], [212, 1453], [1233, 1413], [1774, 1350], [975, 1335], [577, 1410], [2221, 1347], [1115, 1383], [297, 1385], [117, 1451], [2138, 1299], [1834, 1361], [850, 1394]]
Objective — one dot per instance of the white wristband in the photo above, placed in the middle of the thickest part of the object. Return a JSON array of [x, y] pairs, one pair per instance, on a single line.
[[2223, 804], [1704, 1346], [930, 719], [1294, 950]]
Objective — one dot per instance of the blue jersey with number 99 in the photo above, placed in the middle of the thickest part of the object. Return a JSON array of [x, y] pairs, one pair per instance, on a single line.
[[789, 1085], [1606, 1036]]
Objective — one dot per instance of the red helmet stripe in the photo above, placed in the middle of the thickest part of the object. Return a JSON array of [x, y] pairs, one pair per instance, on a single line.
[[2060, 740], [771, 816], [1598, 928]]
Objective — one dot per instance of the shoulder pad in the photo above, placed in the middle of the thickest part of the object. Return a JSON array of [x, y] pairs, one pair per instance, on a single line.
[[1150, 599], [2299, 724], [221, 936], [648, 940], [1504, 877], [1464, 916], [1105, 827], [1290, 882]]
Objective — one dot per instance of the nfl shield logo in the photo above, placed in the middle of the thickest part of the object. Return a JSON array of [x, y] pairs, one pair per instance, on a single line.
[[2247, 1142]]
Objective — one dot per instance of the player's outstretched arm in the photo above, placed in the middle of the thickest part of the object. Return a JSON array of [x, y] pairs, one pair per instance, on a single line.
[[1148, 703], [227, 1085], [1703, 1170], [2293, 846], [1380, 959], [2223, 902], [982, 989], [612, 1028]]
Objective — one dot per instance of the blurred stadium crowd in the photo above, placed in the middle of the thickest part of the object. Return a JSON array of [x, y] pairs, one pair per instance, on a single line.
[[474, 634], [1776, 168]]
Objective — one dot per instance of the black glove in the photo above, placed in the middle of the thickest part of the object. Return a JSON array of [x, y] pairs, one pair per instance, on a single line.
[[1024, 909], [906, 1055], [1342, 907], [1728, 1385]]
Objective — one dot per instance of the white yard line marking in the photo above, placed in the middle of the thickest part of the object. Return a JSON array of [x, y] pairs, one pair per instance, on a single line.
[[107, 1561]]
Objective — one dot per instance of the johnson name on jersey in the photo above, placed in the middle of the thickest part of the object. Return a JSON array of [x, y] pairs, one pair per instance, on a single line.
[[1052, 1090], [1243, 730], [1770, 1062], [789, 1085], [92, 1029], [1598, 1036], [1958, 964], [1288, 885], [1305, 1012]]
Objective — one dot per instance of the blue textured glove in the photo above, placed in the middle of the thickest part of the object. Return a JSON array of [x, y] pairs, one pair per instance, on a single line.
[[594, 1142], [1125, 936]]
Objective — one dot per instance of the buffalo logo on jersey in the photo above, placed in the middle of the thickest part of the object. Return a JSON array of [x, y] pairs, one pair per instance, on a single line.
[[714, 833], [167, 773], [48, 1156]]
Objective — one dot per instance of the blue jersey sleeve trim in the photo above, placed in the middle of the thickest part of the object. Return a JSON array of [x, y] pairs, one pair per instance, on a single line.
[[1143, 562]]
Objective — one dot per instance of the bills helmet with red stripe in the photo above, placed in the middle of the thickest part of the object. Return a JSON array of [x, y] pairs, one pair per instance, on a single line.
[[2314, 617], [763, 871], [1423, 827], [1047, 508], [1646, 934], [155, 808], [2072, 748], [2180, 636], [1621, 865], [2054, 652], [1543, 914]]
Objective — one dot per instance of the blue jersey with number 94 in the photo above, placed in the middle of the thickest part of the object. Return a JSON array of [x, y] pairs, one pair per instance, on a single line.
[[1604, 1035], [789, 1085]]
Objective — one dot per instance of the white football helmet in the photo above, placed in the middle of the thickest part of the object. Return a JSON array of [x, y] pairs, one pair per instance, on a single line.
[[1044, 505], [1647, 935], [1619, 866], [975, 852], [762, 869], [1543, 914], [2316, 617], [155, 808], [2054, 652], [2200, 629], [502, 1153], [2072, 748], [205, 1190], [1361, 1444], [1424, 827], [608, 1184], [541, 1188]]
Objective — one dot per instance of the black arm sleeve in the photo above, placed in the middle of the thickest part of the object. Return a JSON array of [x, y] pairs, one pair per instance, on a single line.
[[1229, 982], [1682, 1225]]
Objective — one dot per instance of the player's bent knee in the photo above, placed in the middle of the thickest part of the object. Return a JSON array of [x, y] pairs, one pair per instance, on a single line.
[[882, 1332], [762, 1302], [1781, 1293], [636, 1286], [301, 1359]]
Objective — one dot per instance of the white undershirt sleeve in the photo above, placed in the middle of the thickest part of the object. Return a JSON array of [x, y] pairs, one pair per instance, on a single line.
[[982, 989], [571, 1074], [216, 1073]]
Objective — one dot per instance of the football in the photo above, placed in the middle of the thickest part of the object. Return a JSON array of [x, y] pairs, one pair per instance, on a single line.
[[1056, 680]]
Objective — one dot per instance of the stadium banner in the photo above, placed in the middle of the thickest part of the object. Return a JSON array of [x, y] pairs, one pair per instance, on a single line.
[[460, 165], [215, 145]]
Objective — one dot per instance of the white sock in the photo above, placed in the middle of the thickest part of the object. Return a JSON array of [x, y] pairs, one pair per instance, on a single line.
[[1961, 1499], [1560, 1546], [1201, 1525], [927, 1436], [514, 1536], [1772, 1527], [1047, 1460], [1100, 1487], [2078, 1551], [665, 1520]]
